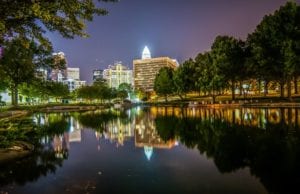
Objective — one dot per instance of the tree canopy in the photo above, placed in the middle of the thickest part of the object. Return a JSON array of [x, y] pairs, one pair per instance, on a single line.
[[33, 18], [163, 83]]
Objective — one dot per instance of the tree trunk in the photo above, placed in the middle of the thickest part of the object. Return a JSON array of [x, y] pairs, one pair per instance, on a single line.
[[180, 96], [232, 91], [14, 95], [266, 91], [281, 89], [166, 98], [289, 87], [296, 84], [259, 85], [213, 97], [241, 88]]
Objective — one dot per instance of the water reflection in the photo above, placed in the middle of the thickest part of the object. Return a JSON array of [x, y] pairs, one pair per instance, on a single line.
[[49, 135], [147, 137], [266, 141]]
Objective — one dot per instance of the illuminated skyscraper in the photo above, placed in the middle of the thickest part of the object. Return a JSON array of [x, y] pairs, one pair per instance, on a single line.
[[117, 74], [97, 74], [73, 73], [73, 79], [146, 53], [59, 74], [145, 70]]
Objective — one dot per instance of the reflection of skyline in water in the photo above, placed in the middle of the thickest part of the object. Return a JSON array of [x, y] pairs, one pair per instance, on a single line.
[[143, 128], [60, 143], [262, 142]]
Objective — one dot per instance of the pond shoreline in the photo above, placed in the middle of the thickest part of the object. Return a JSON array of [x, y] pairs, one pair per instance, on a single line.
[[24, 149], [228, 105], [18, 150], [10, 114]]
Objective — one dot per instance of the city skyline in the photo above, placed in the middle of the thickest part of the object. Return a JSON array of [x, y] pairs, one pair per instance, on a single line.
[[179, 31]]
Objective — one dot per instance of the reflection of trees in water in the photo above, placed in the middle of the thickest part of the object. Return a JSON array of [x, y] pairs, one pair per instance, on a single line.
[[44, 159], [272, 153], [256, 117], [31, 168], [99, 120]]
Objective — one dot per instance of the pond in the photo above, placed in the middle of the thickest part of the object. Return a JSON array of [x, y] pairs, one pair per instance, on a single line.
[[159, 150]]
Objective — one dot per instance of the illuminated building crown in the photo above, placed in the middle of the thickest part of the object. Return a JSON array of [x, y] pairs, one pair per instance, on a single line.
[[146, 53]]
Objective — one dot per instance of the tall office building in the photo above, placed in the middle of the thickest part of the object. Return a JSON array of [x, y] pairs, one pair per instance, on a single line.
[[146, 68], [73, 79], [97, 74], [117, 74], [73, 73], [58, 74]]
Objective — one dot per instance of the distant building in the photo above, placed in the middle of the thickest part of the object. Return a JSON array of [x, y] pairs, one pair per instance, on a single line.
[[97, 74], [72, 79], [146, 69], [73, 84], [69, 76], [41, 73], [58, 75], [117, 74], [73, 73]]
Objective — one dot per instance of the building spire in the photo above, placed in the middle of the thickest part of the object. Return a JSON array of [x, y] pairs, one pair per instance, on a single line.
[[146, 53]]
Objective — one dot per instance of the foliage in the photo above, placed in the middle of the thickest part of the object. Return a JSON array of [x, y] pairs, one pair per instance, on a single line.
[[210, 78], [163, 83], [184, 78], [228, 58], [275, 46], [20, 60], [31, 18]]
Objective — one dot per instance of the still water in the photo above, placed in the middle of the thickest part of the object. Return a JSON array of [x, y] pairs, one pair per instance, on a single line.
[[160, 150]]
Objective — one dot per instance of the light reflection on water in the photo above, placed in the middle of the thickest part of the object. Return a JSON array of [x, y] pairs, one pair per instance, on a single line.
[[164, 149]]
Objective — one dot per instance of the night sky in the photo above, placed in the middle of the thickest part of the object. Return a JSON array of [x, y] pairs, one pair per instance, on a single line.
[[176, 28]]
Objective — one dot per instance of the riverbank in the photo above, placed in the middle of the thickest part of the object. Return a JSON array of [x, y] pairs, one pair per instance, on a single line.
[[21, 111], [226, 104], [17, 150]]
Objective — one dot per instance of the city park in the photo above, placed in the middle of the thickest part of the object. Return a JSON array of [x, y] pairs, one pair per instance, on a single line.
[[261, 71], [264, 66]]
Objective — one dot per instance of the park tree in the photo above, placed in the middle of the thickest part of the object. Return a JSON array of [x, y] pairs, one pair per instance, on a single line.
[[184, 78], [87, 92], [122, 94], [57, 90], [33, 18], [163, 83], [3, 82], [20, 60], [275, 46], [210, 78], [228, 57], [203, 63], [125, 88]]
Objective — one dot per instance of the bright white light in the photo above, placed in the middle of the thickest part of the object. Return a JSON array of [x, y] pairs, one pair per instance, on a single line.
[[146, 53], [148, 152]]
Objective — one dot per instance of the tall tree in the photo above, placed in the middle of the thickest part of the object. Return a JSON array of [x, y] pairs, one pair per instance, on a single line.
[[228, 56], [31, 18], [163, 83], [184, 79], [210, 78], [20, 60], [275, 45]]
